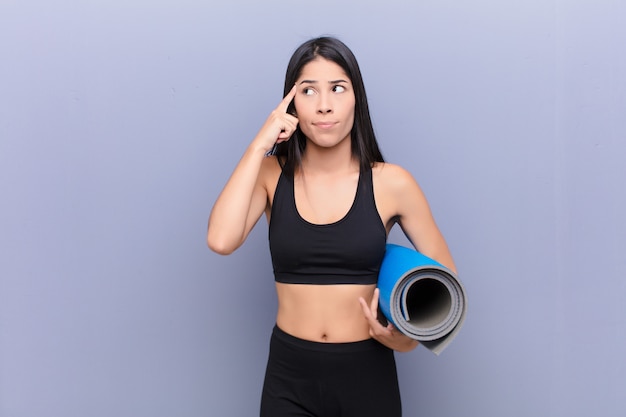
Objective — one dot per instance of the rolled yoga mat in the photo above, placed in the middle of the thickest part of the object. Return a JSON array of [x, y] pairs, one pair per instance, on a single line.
[[422, 298]]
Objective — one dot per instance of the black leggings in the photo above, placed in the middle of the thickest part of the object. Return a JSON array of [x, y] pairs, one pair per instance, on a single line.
[[313, 379]]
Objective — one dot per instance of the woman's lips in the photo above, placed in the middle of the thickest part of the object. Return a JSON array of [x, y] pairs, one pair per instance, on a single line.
[[324, 125]]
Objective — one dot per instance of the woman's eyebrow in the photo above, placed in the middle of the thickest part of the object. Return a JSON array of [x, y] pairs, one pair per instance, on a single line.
[[315, 81]]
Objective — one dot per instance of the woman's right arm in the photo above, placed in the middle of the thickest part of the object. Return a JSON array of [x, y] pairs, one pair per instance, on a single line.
[[244, 197]]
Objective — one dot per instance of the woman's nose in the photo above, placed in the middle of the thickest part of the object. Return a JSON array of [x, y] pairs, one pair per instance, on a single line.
[[324, 105]]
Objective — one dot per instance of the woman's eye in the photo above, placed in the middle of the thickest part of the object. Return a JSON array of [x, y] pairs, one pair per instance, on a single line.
[[339, 89], [308, 91]]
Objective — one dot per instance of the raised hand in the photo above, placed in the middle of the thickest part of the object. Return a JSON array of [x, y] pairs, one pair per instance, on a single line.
[[279, 126]]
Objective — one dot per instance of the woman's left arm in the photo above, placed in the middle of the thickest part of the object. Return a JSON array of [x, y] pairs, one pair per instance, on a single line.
[[402, 201], [413, 214]]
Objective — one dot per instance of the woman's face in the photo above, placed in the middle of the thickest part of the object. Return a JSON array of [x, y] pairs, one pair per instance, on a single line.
[[324, 103]]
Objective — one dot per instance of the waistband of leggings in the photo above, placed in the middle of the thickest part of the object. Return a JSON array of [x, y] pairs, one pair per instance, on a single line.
[[344, 347]]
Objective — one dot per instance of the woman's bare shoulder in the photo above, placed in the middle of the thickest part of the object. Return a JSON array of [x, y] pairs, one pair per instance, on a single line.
[[393, 177]]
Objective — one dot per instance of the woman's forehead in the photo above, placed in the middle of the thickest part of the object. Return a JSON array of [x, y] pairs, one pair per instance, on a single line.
[[320, 70]]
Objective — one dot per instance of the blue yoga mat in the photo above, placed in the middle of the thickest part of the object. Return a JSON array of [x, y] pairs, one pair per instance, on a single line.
[[422, 298]]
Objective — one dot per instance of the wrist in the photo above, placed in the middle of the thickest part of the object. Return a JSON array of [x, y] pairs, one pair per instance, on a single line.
[[257, 148], [259, 145]]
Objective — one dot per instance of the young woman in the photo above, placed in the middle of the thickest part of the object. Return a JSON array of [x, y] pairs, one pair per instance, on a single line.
[[316, 172]]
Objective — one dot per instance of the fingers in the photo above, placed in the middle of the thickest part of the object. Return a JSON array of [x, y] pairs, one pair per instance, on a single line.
[[374, 303], [366, 309], [371, 315], [371, 312], [284, 104], [279, 126], [289, 124], [387, 335]]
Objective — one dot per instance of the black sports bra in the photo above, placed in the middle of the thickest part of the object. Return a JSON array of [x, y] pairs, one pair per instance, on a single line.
[[348, 251]]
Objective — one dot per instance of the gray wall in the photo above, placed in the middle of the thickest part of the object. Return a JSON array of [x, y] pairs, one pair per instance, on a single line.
[[121, 120]]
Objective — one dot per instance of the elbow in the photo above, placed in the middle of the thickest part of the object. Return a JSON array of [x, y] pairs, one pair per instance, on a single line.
[[220, 246]]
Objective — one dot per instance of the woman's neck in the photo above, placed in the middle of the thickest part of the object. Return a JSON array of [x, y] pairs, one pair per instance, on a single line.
[[319, 160]]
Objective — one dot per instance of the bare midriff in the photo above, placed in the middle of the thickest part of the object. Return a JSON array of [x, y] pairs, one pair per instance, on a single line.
[[323, 313]]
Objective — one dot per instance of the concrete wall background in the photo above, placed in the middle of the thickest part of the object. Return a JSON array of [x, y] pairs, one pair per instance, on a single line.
[[121, 121]]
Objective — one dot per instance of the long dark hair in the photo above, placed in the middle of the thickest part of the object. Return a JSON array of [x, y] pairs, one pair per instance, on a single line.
[[364, 144]]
